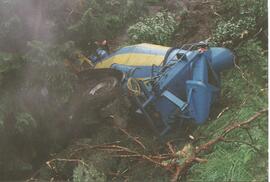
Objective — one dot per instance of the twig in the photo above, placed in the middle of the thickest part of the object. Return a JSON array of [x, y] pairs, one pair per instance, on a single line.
[[260, 31], [201, 160], [222, 112], [239, 125], [208, 145], [118, 174], [242, 73], [176, 174], [133, 138], [178, 170], [170, 147], [217, 14], [249, 135], [48, 163], [204, 147], [246, 143], [89, 147]]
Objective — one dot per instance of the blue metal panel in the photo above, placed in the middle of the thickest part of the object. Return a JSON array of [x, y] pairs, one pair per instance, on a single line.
[[221, 59], [200, 69], [175, 100], [200, 101]]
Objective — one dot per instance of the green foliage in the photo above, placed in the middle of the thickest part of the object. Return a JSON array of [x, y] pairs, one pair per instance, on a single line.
[[9, 62], [87, 173], [244, 8], [247, 16], [254, 61], [4, 107], [82, 21], [13, 32], [34, 92], [225, 165], [227, 31], [25, 123], [235, 161], [48, 69], [157, 29], [154, 1], [35, 87], [103, 20], [244, 92]]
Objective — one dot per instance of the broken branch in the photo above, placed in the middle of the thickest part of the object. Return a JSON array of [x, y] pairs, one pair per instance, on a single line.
[[135, 139]]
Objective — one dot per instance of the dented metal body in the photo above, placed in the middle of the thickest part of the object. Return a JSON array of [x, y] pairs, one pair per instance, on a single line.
[[172, 84]]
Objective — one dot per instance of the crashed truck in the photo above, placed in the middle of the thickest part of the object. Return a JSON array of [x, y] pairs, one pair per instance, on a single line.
[[165, 85]]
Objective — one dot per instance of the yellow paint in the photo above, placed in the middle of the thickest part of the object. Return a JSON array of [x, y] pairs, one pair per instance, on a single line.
[[131, 60], [153, 46], [84, 59], [150, 46]]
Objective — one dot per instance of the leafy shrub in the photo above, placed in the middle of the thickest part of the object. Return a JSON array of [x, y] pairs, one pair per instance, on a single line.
[[247, 17], [103, 20], [34, 91], [82, 21], [227, 31], [153, 1], [157, 29], [245, 93], [225, 165], [47, 69], [25, 123], [13, 32], [87, 174], [253, 60], [8, 63], [35, 87], [244, 8]]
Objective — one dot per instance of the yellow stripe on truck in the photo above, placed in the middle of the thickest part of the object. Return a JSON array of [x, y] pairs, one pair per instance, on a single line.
[[153, 46], [131, 60]]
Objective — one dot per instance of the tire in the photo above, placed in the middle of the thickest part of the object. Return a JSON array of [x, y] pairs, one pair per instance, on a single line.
[[95, 89], [99, 92]]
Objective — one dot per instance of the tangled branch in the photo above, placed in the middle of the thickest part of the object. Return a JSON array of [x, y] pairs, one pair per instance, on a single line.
[[189, 155]]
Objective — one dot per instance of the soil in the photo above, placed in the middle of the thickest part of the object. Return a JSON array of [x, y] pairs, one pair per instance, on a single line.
[[198, 23]]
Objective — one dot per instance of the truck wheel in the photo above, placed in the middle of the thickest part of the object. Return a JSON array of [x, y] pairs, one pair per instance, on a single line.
[[92, 95], [94, 90], [101, 91]]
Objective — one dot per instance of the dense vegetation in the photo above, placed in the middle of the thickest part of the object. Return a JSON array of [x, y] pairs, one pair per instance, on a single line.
[[245, 90], [36, 37], [156, 30]]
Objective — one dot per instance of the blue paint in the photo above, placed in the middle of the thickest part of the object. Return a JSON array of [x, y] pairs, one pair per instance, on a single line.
[[181, 104], [136, 71]]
